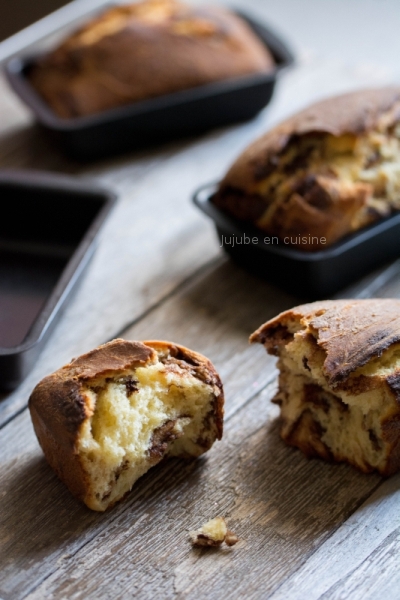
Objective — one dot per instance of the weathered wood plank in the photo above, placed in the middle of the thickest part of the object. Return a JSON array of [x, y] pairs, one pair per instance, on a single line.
[[213, 313], [378, 576], [50, 541], [280, 505], [359, 560], [216, 328]]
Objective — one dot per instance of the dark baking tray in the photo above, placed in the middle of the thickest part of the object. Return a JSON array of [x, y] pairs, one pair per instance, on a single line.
[[310, 275], [47, 236], [160, 119]]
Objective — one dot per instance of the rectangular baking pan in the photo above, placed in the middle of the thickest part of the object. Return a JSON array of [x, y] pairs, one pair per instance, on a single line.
[[47, 236], [310, 275], [159, 119]]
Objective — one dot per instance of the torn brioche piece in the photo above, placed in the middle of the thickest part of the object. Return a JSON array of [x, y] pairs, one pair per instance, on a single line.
[[325, 172], [339, 381], [213, 534], [108, 416]]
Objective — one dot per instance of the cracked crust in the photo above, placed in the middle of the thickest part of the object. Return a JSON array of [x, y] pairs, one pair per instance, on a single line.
[[64, 405], [339, 387], [166, 47], [350, 332], [325, 172]]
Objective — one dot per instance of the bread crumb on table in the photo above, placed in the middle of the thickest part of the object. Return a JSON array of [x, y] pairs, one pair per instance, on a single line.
[[213, 534]]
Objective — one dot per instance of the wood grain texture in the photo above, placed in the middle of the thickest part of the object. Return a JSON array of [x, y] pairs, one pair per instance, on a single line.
[[216, 328], [279, 504], [360, 559], [307, 529], [48, 539]]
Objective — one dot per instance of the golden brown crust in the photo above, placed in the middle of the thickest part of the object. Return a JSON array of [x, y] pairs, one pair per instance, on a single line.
[[58, 396], [283, 186], [354, 113], [348, 335], [117, 355], [351, 332], [59, 408], [144, 50]]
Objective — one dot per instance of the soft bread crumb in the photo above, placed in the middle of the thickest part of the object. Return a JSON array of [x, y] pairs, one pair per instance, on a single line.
[[339, 365], [109, 416], [213, 534]]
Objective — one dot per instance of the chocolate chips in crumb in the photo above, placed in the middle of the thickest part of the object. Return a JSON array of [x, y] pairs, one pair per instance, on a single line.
[[131, 386], [107, 418], [338, 380], [162, 436], [213, 534]]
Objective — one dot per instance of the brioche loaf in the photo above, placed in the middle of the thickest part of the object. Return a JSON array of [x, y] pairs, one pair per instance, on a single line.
[[339, 382], [325, 172], [107, 417], [143, 50]]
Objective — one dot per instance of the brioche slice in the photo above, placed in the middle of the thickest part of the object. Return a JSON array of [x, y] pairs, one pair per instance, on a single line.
[[339, 382], [327, 171], [108, 416]]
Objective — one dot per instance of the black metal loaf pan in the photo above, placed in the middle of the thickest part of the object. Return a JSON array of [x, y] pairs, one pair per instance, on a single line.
[[311, 275], [47, 236], [168, 117]]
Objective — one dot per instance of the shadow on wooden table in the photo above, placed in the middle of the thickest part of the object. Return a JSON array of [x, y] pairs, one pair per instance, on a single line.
[[42, 509], [28, 147], [272, 496], [296, 497], [44, 516]]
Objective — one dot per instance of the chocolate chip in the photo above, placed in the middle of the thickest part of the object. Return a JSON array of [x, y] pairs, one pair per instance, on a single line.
[[161, 437], [131, 386]]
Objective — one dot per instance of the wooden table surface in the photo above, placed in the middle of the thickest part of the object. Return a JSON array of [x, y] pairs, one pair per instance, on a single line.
[[307, 529]]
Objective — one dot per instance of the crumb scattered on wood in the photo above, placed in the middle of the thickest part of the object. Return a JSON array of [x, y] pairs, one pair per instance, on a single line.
[[231, 539], [213, 534]]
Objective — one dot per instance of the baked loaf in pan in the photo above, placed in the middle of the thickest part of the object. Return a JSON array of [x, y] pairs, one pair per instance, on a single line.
[[339, 382], [325, 172], [107, 417], [143, 50]]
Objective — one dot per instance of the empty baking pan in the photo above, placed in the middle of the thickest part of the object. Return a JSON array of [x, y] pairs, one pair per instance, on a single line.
[[311, 275], [159, 119], [47, 236]]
